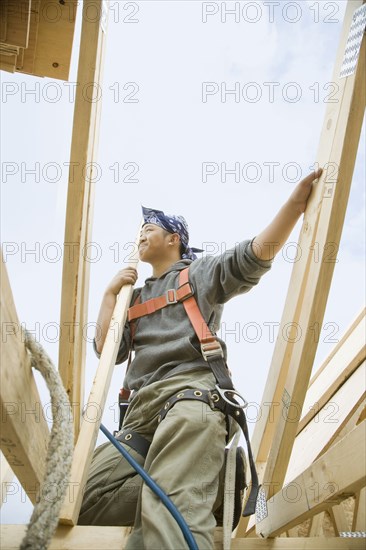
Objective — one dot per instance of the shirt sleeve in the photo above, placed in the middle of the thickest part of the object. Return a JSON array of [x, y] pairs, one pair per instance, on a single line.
[[124, 347], [229, 274]]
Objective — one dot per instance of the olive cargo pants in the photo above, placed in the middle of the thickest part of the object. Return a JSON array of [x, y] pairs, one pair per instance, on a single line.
[[185, 459]]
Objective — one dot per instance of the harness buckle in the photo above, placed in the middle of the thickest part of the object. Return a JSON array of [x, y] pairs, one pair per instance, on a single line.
[[223, 391], [209, 349], [168, 294]]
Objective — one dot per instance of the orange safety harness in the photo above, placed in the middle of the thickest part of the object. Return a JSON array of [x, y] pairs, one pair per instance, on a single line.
[[225, 394]]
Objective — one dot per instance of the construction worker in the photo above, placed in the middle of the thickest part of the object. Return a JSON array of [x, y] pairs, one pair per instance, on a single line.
[[184, 452]]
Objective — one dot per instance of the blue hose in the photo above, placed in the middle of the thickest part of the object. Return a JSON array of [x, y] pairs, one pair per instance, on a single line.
[[154, 487]]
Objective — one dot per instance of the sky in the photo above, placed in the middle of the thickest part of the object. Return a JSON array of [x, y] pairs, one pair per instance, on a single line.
[[170, 134]]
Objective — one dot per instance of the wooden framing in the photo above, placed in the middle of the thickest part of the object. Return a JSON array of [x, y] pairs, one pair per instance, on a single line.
[[15, 15], [339, 519], [347, 355], [326, 425], [359, 516], [282, 435], [24, 431], [75, 278], [335, 123], [89, 429], [311, 276], [54, 39], [37, 36], [329, 479], [316, 527], [113, 538]]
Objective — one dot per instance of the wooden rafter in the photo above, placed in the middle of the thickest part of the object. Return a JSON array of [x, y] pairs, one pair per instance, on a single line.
[[359, 516], [328, 480], [24, 431], [36, 36], [75, 278], [324, 428], [97, 398], [274, 436], [347, 355]]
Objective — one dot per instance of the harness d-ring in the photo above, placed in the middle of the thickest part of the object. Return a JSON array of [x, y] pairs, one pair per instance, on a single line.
[[234, 393]]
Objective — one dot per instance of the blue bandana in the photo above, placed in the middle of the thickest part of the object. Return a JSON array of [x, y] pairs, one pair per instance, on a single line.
[[172, 224]]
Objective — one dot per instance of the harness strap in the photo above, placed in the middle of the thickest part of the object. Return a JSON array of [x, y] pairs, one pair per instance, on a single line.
[[213, 354], [135, 441], [210, 397], [171, 296]]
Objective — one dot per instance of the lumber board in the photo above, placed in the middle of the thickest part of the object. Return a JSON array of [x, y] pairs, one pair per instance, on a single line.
[[311, 277], [316, 527], [339, 344], [75, 277], [322, 431], [339, 519], [97, 397], [114, 538], [355, 418], [71, 538], [55, 35], [20, 59], [2, 21], [359, 516], [338, 366], [8, 62], [27, 63], [332, 139], [328, 480], [24, 431], [16, 22]]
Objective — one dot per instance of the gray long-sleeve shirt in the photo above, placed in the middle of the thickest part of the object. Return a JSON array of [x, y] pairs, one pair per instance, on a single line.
[[165, 342]]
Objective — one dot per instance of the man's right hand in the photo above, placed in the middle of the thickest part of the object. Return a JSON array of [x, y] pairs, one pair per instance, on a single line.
[[126, 276]]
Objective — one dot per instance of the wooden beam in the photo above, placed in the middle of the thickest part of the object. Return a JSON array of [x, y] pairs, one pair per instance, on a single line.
[[359, 516], [26, 64], [349, 353], [316, 527], [97, 397], [309, 270], [353, 420], [334, 420], [8, 62], [339, 519], [24, 431], [114, 538], [70, 538], [323, 430], [275, 431], [328, 480], [75, 278], [16, 15], [56, 25]]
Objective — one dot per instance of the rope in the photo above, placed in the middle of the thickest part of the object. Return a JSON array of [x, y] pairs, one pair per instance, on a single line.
[[44, 519]]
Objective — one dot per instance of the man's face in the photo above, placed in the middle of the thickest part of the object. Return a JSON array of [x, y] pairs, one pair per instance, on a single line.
[[154, 243]]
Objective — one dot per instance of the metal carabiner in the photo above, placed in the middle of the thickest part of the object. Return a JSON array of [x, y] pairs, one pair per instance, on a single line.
[[223, 391]]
